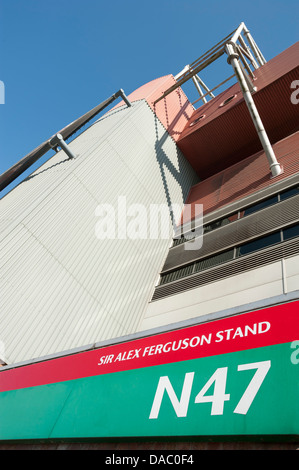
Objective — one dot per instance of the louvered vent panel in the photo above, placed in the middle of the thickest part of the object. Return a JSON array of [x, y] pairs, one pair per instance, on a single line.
[[255, 225], [243, 264]]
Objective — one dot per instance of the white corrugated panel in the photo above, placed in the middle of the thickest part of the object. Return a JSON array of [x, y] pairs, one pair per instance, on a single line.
[[61, 286]]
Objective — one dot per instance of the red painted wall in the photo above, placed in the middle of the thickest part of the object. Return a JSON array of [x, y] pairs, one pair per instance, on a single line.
[[246, 177]]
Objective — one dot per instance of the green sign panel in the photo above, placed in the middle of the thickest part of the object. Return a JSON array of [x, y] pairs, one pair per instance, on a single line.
[[243, 391]]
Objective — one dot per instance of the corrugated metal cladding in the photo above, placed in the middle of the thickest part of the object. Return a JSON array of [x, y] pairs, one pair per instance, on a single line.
[[61, 286]]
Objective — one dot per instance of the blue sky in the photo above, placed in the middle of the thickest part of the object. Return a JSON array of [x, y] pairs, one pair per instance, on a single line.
[[60, 58]]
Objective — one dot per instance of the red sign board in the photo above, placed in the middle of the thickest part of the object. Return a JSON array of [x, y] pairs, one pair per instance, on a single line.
[[270, 326]]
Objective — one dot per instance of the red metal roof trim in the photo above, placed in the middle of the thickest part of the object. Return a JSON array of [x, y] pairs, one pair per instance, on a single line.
[[174, 111]]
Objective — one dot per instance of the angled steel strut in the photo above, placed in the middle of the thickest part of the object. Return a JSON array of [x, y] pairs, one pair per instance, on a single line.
[[57, 140]]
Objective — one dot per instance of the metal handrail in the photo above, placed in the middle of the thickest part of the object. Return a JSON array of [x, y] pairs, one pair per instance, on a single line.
[[234, 45], [215, 88], [57, 140], [249, 51]]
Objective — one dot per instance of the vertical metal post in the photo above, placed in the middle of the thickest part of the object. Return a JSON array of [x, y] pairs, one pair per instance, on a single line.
[[200, 92], [233, 60], [199, 80]]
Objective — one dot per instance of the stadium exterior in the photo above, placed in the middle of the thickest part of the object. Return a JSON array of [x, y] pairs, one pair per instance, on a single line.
[[150, 268]]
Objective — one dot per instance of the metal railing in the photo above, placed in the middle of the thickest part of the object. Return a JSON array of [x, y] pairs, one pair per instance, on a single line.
[[245, 57], [248, 52]]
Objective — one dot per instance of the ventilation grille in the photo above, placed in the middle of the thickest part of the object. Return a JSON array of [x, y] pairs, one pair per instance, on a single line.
[[267, 220], [242, 264]]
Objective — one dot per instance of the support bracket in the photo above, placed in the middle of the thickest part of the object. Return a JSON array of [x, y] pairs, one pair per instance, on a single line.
[[57, 141]]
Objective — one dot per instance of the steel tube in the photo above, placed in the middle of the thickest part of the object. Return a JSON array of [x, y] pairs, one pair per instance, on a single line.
[[250, 56], [200, 92], [245, 64], [253, 46], [185, 69], [238, 31], [259, 51], [124, 97], [233, 60], [204, 86], [250, 85], [215, 88]]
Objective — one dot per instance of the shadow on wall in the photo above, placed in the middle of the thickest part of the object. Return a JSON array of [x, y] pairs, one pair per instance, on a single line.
[[178, 174], [37, 173], [172, 127]]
